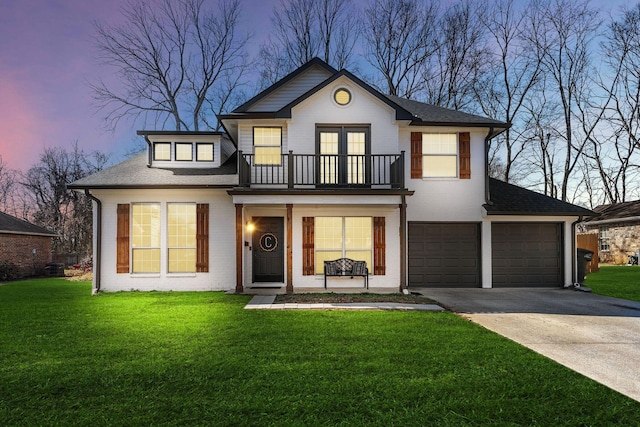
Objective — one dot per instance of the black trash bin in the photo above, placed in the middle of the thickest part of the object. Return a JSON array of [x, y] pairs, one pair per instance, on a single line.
[[584, 257]]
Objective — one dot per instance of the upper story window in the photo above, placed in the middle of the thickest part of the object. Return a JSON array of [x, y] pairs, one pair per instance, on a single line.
[[342, 96], [439, 155], [162, 151], [204, 152], [267, 145], [603, 239], [184, 151]]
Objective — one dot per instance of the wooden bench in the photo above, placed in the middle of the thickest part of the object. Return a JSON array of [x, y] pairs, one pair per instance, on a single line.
[[346, 267]]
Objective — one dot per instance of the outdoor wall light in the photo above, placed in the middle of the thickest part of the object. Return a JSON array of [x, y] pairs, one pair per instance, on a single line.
[[250, 226]]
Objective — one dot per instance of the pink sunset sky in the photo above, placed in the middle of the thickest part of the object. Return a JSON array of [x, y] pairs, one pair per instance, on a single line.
[[47, 59]]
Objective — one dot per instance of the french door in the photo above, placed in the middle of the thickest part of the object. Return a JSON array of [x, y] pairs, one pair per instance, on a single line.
[[342, 155]]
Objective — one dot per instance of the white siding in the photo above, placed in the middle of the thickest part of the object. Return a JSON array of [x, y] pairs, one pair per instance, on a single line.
[[221, 275], [291, 90]]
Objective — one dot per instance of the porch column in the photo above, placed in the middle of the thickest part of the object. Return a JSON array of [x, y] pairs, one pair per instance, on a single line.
[[239, 248], [289, 248], [403, 244]]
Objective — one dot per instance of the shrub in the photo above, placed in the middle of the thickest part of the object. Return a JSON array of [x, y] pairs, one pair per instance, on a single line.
[[8, 271]]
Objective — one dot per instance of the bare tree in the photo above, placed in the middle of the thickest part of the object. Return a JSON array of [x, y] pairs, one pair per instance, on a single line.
[[461, 59], [562, 36], [7, 185], [169, 56], [514, 72], [400, 38], [305, 29], [616, 160], [57, 208]]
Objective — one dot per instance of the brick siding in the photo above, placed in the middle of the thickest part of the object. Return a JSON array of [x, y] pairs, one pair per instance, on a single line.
[[18, 249]]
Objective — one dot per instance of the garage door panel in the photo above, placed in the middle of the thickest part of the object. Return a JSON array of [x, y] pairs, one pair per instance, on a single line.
[[526, 254], [444, 254]]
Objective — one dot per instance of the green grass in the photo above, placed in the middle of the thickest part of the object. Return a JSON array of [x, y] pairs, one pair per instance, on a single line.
[[616, 281], [69, 358]]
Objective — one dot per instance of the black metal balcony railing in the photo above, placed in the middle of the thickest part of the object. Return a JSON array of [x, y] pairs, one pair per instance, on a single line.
[[323, 170]]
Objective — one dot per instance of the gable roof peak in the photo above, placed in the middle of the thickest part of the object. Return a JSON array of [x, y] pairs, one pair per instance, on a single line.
[[314, 62]]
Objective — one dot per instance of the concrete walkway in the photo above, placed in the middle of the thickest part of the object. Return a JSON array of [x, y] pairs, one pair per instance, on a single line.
[[594, 335], [267, 302]]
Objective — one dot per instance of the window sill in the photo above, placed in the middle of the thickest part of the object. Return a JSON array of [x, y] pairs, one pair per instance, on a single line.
[[145, 275], [181, 275]]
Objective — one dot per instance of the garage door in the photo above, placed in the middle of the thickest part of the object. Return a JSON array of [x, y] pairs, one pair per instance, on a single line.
[[444, 255], [526, 254]]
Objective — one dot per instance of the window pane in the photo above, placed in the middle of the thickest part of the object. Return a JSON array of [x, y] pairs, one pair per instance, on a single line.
[[184, 151], [267, 136], [440, 166], [328, 233], [145, 260], [182, 260], [439, 143], [328, 159], [145, 225], [204, 152], [357, 232], [162, 151]]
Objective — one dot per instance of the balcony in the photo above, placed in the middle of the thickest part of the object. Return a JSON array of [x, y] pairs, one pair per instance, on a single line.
[[323, 171]]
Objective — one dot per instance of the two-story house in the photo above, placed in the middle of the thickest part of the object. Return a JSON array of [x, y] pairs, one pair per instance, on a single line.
[[317, 167]]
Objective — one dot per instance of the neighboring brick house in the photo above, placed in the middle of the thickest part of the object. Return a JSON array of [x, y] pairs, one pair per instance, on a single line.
[[25, 245], [618, 229]]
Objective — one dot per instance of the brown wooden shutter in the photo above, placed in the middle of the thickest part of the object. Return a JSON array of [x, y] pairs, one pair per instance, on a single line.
[[202, 238], [122, 239], [464, 149], [379, 246], [308, 259], [416, 155]]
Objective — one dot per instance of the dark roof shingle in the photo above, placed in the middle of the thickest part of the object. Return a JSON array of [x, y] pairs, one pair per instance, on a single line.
[[509, 199], [621, 210], [134, 173], [12, 225]]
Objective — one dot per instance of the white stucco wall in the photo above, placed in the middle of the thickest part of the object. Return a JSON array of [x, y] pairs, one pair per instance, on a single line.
[[446, 199], [221, 275]]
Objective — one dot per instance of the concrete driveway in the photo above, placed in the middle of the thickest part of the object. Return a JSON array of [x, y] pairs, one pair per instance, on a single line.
[[594, 335]]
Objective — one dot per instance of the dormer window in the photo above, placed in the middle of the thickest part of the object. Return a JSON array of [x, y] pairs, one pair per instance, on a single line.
[[162, 151], [187, 149], [184, 151], [204, 152]]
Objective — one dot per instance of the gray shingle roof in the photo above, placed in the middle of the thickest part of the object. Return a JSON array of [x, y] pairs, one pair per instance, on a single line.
[[432, 114], [12, 225], [509, 199], [620, 211], [134, 173]]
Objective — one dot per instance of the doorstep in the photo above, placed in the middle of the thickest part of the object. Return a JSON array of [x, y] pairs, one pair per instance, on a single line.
[[267, 302]]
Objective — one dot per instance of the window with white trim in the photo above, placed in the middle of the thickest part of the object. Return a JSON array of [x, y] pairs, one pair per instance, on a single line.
[[439, 155], [145, 238], [603, 239], [267, 145], [343, 237], [181, 237]]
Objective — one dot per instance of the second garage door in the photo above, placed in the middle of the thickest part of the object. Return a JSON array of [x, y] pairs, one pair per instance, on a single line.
[[526, 254], [444, 254]]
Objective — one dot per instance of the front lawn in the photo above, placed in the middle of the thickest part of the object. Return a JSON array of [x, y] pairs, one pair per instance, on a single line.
[[616, 281], [69, 358]]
